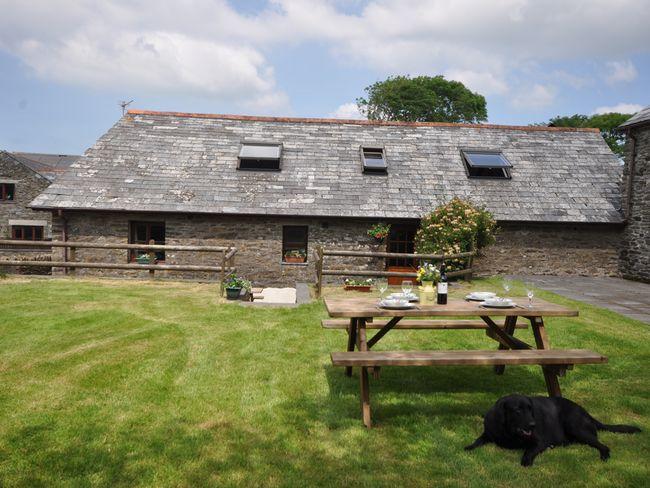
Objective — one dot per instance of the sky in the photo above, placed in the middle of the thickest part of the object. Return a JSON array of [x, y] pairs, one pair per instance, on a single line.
[[65, 64]]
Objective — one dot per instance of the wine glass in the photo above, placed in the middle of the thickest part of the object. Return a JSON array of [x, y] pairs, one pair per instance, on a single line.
[[530, 292], [382, 286], [407, 287], [507, 286]]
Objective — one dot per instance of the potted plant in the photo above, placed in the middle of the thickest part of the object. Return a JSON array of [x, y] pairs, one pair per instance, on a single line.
[[143, 259], [379, 231], [428, 275], [295, 256], [234, 285], [358, 285]]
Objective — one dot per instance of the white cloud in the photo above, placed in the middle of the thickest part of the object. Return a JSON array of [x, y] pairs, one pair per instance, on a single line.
[[347, 111], [620, 71], [621, 108], [210, 49], [535, 97], [484, 82]]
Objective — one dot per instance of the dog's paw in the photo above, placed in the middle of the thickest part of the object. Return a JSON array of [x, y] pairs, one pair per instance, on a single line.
[[526, 461], [604, 454]]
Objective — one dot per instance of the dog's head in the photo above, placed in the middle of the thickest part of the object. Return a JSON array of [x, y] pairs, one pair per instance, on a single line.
[[515, 413]]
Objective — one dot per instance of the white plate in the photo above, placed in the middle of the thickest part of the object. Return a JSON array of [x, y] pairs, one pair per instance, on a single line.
[[499, 304], [397, 296], [396, 306], [479, 296]]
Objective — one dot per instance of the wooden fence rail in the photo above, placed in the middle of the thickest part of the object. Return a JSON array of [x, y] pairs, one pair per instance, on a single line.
[[227, 264], [320, 253]]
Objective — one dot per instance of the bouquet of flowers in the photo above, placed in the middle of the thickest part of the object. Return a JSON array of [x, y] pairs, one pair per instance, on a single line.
[[428, 272]]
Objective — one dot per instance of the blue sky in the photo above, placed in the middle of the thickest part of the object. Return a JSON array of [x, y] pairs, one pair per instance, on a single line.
[[65, 64]]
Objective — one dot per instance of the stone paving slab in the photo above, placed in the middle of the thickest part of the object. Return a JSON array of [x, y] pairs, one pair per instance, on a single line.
[[629, 298]]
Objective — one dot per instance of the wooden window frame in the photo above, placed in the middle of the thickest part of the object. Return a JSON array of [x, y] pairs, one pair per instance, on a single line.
[[134, 253], [295, 245], [18, 232], [4, 192]]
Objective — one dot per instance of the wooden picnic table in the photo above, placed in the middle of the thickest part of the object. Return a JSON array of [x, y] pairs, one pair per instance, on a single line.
[[359, 315]]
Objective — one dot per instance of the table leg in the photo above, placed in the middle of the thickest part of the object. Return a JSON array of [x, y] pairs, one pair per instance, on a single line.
[[352, 341], [365, 385], [509, 328], [541, 339]]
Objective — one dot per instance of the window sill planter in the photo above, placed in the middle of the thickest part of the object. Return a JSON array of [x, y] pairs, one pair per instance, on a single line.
[[233, 293], [294, 259], [362, 288], [144, 260]]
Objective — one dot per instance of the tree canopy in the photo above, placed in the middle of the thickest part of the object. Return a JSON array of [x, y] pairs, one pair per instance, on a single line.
[[422, 99], [607, 123]]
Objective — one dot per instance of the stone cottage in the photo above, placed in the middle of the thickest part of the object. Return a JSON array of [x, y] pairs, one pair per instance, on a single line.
[[635, 243], [22, 177], [277, 187]]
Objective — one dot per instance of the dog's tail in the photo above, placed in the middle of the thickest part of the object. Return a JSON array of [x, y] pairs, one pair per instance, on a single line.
[[621, 428]]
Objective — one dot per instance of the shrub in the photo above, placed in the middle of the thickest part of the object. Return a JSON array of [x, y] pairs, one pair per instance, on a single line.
[[455, 227]]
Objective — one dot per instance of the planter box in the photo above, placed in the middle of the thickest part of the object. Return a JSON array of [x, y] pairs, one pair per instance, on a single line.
[[363, 288], [294, 259], [233, 293]]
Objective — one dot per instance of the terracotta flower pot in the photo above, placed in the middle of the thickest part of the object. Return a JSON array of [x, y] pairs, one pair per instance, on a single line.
[[363, 288], [294, 259]]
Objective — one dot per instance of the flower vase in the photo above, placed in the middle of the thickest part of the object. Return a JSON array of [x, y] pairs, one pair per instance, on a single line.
[[428, 286]]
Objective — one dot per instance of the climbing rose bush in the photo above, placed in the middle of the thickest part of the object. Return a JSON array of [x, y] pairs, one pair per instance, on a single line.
[[455, 227]]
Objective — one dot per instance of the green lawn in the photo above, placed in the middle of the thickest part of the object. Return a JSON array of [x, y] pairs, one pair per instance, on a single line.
[[128, 383]]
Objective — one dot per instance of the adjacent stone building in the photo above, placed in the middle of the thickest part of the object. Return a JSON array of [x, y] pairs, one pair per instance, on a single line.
[[635, 242], [23, 176], [277, 187]]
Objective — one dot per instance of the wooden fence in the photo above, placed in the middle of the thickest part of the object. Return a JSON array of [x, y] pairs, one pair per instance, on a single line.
[[320, 253], [226, 262]]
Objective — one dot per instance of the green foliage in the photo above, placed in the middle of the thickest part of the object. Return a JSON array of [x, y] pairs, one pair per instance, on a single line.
[[422, 99], [428, 272], [455, 227], [379, 231], [234, 281], [607, 123]]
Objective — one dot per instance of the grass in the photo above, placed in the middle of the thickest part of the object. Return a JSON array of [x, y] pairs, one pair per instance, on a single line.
[[124, 383]]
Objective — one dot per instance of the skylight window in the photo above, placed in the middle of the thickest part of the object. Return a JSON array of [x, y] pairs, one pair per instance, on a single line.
[[486, 164], [374, 160], [257, 156]]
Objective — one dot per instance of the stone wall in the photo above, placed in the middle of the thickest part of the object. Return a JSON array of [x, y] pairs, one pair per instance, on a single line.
[[552, 249], [521, 248], [257, 239], [635, 245], [28, 185]]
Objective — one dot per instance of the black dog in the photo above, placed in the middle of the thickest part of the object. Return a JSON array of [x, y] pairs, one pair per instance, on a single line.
[[537, 423]]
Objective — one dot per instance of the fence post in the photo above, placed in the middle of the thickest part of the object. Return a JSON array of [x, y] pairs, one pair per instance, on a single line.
[[223, 269], [72, 256], [470, 262], [319, 271], [152, 259]]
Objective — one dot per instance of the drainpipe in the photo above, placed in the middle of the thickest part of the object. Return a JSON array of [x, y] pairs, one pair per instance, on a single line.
[[630, 176]]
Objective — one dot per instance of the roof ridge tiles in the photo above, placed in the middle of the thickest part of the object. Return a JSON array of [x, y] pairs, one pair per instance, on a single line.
[[306, 120]]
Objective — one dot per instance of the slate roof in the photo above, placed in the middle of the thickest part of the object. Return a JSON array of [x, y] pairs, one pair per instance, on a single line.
[[47, 165], [640, 118], [174, 162]]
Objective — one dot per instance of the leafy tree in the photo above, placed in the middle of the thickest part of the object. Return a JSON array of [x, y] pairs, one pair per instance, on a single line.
[[607, 123], [422, 99]]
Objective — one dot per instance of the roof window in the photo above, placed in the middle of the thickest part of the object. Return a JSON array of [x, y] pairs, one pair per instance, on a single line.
[[374, 160], [486, 164], [260, 156]]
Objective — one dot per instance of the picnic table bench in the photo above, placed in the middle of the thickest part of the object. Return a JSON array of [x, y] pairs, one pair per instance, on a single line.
[[357, 315]]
